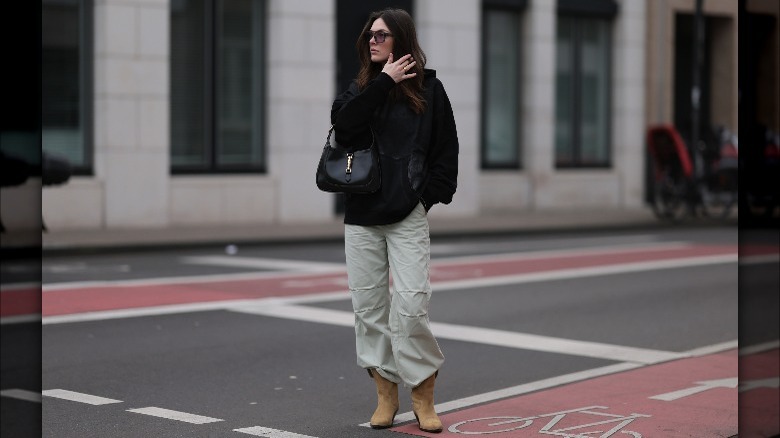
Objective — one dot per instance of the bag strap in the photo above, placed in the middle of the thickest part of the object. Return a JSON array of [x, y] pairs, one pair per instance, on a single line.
[[330, 132]]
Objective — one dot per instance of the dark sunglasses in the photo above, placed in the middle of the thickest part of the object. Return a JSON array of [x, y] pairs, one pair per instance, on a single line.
[[378, 36]]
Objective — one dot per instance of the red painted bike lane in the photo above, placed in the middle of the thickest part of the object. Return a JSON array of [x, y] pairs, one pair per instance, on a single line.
[[694, 397], [759, 396], [72, 300]]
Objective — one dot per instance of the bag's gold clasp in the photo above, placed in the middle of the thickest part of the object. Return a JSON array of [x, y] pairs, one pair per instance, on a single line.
[[349, 163]]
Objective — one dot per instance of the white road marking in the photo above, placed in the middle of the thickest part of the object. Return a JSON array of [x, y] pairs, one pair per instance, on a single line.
[[19, 286], [759, 259], [712, 349], [162, 281], [549, 344], [562, 274], [539, 385], [565, 274], [263, 263], [79, 397], [270, 433], [174, 415], [521, 389], [748, 385], [759, 348], [454, 248], [19, 319], [700, 387], [21, 394], [484, 336], [301, 313], [453, 261], [83, 268], [568, 252]]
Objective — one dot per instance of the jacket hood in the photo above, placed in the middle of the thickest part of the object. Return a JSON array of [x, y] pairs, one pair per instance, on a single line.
[[429, 73]]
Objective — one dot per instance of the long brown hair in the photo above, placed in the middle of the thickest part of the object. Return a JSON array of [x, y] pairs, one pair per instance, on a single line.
[[401, 25]]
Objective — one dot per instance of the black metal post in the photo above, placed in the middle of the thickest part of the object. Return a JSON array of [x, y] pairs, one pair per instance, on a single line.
[[698, 47]]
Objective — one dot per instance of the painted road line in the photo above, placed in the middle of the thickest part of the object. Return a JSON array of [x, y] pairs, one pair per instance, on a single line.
[[678, 247], [759, 259], [442, 286], [478, 335], [539, 385], [21, 394], [759, 348], [20, 319], [567, 274], [525, 388], [548, 344], [455, 248], [263, 263], [620, 402], [270, 433], [97, 299], [571, 253], [162, 281], [79, 397], [697, 387], [712, 349], [301, 313], [174, 415], [17, 286], [172, 309], [749, 385], [759, 392]]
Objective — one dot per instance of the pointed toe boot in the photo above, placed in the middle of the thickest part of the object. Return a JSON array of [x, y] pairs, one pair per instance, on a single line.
[[387, 402], [422, 405]]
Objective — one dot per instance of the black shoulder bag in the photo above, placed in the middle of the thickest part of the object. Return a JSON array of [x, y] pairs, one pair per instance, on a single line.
[[340, 171]]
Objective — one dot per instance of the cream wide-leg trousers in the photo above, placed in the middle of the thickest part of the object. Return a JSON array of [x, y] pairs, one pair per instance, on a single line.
[[393, 333]]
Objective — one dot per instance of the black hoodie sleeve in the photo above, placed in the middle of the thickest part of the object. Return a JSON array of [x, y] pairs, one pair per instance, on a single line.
[[353, 109], [443, 152]]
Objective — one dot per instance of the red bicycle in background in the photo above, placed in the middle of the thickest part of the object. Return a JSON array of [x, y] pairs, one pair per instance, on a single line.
[[705, 183]]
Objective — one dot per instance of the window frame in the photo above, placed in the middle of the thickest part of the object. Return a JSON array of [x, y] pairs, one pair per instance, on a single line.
[[576, 103], [212, 28], [515, 7], [86, 89]]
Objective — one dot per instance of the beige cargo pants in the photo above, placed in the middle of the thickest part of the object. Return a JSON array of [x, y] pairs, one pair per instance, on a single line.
[[393, 333]]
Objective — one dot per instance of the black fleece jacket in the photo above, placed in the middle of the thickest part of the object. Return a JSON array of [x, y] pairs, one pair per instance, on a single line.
[[418, 152]]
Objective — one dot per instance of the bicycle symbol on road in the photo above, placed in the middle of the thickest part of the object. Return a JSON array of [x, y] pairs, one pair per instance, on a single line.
[[489, 425]]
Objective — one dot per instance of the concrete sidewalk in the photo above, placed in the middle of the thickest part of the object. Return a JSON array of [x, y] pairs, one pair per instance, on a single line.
[[76, 240]]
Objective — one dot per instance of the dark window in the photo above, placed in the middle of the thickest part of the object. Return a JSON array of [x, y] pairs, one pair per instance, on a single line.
[[217, 86], [66, 36], [500, 86], [582, 91]]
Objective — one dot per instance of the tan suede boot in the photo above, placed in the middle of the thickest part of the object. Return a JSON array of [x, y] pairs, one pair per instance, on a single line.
[[387, 402], [422, 405]]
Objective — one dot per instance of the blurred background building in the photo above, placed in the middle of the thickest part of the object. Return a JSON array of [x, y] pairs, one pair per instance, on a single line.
[[214, 112]]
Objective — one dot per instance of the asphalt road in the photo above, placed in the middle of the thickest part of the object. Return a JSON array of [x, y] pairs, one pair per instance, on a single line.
[[257, 341]]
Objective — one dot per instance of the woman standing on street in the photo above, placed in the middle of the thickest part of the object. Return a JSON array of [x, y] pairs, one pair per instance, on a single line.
[[406, 109]]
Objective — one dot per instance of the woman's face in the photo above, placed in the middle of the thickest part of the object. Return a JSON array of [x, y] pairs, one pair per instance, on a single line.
[[380, 51]]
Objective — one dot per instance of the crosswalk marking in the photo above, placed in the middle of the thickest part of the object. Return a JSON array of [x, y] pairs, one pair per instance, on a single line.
[[263, 263], [479, 335], [151, 411], [270, 433], [79, 397], [174, 415]]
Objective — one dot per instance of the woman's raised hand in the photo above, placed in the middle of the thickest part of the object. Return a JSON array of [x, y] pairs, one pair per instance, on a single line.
[[397, 70]]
